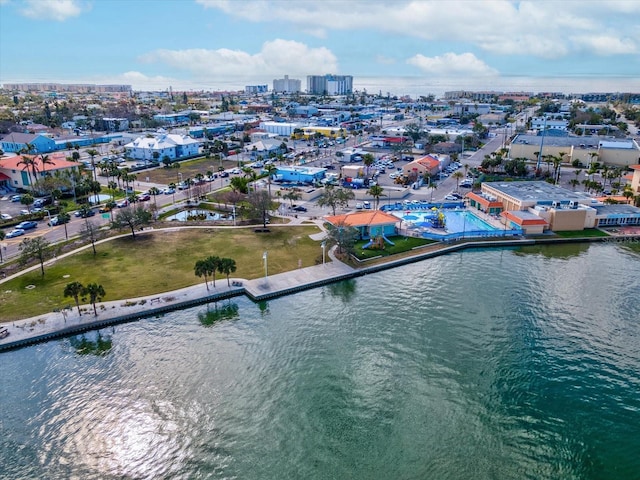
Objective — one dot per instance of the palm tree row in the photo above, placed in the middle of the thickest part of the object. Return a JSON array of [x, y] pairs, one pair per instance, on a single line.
[[209, 266], [93, 291]]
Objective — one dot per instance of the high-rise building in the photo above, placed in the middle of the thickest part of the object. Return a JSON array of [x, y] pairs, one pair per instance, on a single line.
[[329, 84], [256, 89], [286, 85]]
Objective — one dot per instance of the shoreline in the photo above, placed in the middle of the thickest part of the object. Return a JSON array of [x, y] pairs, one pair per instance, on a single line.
[[56, 325]]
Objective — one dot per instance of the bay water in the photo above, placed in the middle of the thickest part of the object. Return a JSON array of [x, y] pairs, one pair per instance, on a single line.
[[484, 364]]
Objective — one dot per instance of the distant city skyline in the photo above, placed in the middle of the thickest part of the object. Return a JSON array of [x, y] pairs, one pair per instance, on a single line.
[[402, 47]]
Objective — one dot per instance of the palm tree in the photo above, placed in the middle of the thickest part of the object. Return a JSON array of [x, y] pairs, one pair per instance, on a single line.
[[433, 186], [227, 266], [95, 292], [64, 218], [210, 177], [376, 191], [172, 186], [29, 164], [367, 160], [213, 264], [154, 191], [457, 175], [74, 289], [270, 169], [201, 269], [93, 153]]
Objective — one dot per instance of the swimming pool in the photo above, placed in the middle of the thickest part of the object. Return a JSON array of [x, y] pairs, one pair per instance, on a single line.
[[457, 223]]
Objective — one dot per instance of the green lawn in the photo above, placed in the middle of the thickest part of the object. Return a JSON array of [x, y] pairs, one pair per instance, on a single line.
[[588, 232], [402, 244], [158, 262]]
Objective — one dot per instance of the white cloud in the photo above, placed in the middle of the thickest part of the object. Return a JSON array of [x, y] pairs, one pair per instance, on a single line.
[[547, 29], [58, 10], [452, 64], [275, 57], [607, 45]]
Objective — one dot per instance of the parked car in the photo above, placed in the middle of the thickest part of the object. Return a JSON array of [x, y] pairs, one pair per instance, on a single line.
[[84, 213], [27, 225], [450, 197], [5, 216], [16, 232], [55, 221], [300, 208], [123, 203], [224, 174], [16, 198], [358, 206], [144, 197], [169, 191]]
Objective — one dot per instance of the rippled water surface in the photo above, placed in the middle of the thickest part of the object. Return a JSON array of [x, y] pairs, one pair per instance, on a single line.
[[497, 364]]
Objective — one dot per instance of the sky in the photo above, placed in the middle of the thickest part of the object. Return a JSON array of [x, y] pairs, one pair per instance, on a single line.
[[398, 47]]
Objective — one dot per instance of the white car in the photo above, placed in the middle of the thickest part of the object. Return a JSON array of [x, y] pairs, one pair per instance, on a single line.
[[5, 216], [450, 197], [394, 175], [16, 232]]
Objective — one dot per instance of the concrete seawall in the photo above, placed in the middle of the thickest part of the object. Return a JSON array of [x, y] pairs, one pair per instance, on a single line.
[[57, 325]]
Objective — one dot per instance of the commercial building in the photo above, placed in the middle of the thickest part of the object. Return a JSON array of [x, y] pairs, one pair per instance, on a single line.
[[586, 149], [635, 180], [545, 123], [428, 164], [14, 174], [299, 174], [279, 128], [560, 208]]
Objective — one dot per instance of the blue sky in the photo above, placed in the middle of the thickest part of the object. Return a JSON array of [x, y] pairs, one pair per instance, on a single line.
[[215, 44]]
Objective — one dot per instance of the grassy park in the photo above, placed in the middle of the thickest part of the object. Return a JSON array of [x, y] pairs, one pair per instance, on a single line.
[[157, 262]]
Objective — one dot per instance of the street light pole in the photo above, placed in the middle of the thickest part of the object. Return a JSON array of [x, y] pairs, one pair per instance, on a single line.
[[264, 257], [324, 246]]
